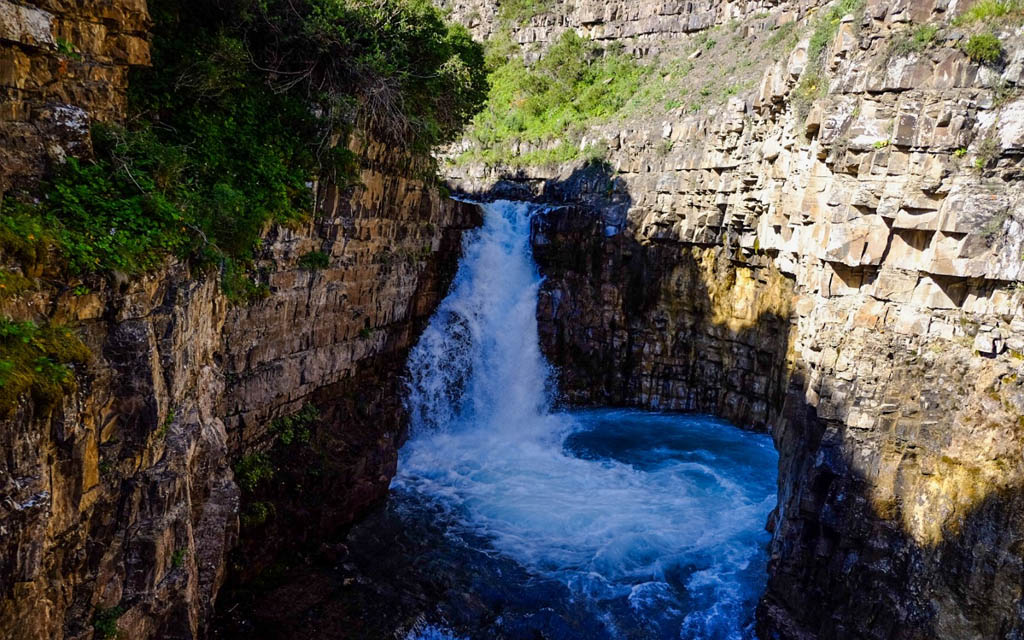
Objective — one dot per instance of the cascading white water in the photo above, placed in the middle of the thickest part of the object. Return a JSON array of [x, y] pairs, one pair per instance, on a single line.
[[479, 359], [654, 520]]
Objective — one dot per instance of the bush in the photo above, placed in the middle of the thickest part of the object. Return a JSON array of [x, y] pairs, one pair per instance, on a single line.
[[235, 120], [296, 427], [409, 76], [516, 12], [916, 41], [104, 622], [256, 513], [178, 558], [984, 48], [252, 470]]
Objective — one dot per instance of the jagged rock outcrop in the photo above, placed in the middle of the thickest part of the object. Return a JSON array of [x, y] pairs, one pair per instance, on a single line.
[[840, 266]]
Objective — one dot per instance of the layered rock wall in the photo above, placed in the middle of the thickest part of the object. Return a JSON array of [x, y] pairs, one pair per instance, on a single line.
[[121, 503], [120, 507], [840, 265], [62, 65]]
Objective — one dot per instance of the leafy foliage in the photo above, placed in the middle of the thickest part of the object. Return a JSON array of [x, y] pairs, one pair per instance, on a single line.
[[178, 558], [38, 360], [256, 513], [314, 260], [517, 12], [241, 111], [104, 622], [916, 41], [409, 76], [12, 284], [296, 427], [253, 469], [984, 48]]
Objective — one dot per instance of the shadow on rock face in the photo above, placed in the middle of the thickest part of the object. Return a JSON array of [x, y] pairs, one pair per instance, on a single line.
[[844, 565]]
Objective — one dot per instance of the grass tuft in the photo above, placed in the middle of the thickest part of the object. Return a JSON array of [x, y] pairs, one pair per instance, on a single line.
[[921, 38], [37, 360], [990, 11]]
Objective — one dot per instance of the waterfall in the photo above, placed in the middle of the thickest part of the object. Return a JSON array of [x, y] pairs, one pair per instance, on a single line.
[[479, 360]]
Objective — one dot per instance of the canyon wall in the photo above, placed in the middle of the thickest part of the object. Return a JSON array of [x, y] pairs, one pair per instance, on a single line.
[[120, 506], [838, 262]]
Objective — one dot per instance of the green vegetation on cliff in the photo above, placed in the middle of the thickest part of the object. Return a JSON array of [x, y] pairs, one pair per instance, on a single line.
[[243, 109], [984, 48], [520, 11], [256, 471], [558, 107], [548, 104], [37, 359], [992, 10], [813, 82]]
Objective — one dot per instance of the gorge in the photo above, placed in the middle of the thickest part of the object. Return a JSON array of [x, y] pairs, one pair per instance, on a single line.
[[800, 217]]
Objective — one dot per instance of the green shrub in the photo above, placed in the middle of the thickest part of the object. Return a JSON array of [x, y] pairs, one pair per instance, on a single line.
[[296, 427], [517, 12], [178, 558], [37, 360], [104, 622], [252, 470], [396, 65], [984, 48], [256, 513], [233, 122], [314, 261], [12, 284]]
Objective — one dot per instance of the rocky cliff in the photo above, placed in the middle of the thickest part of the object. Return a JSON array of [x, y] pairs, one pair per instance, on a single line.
[[121, 504], [829, 248]]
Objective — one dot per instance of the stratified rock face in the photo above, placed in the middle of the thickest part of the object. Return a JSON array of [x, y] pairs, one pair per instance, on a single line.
[[123, 499], [119, 507], [843, 269], [62, 64], [666, 326]]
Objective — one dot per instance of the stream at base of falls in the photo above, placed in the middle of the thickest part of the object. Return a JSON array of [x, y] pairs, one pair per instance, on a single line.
[[627, 525]]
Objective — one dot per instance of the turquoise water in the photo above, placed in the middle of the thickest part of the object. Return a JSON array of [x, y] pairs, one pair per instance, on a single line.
[[654, 523]]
